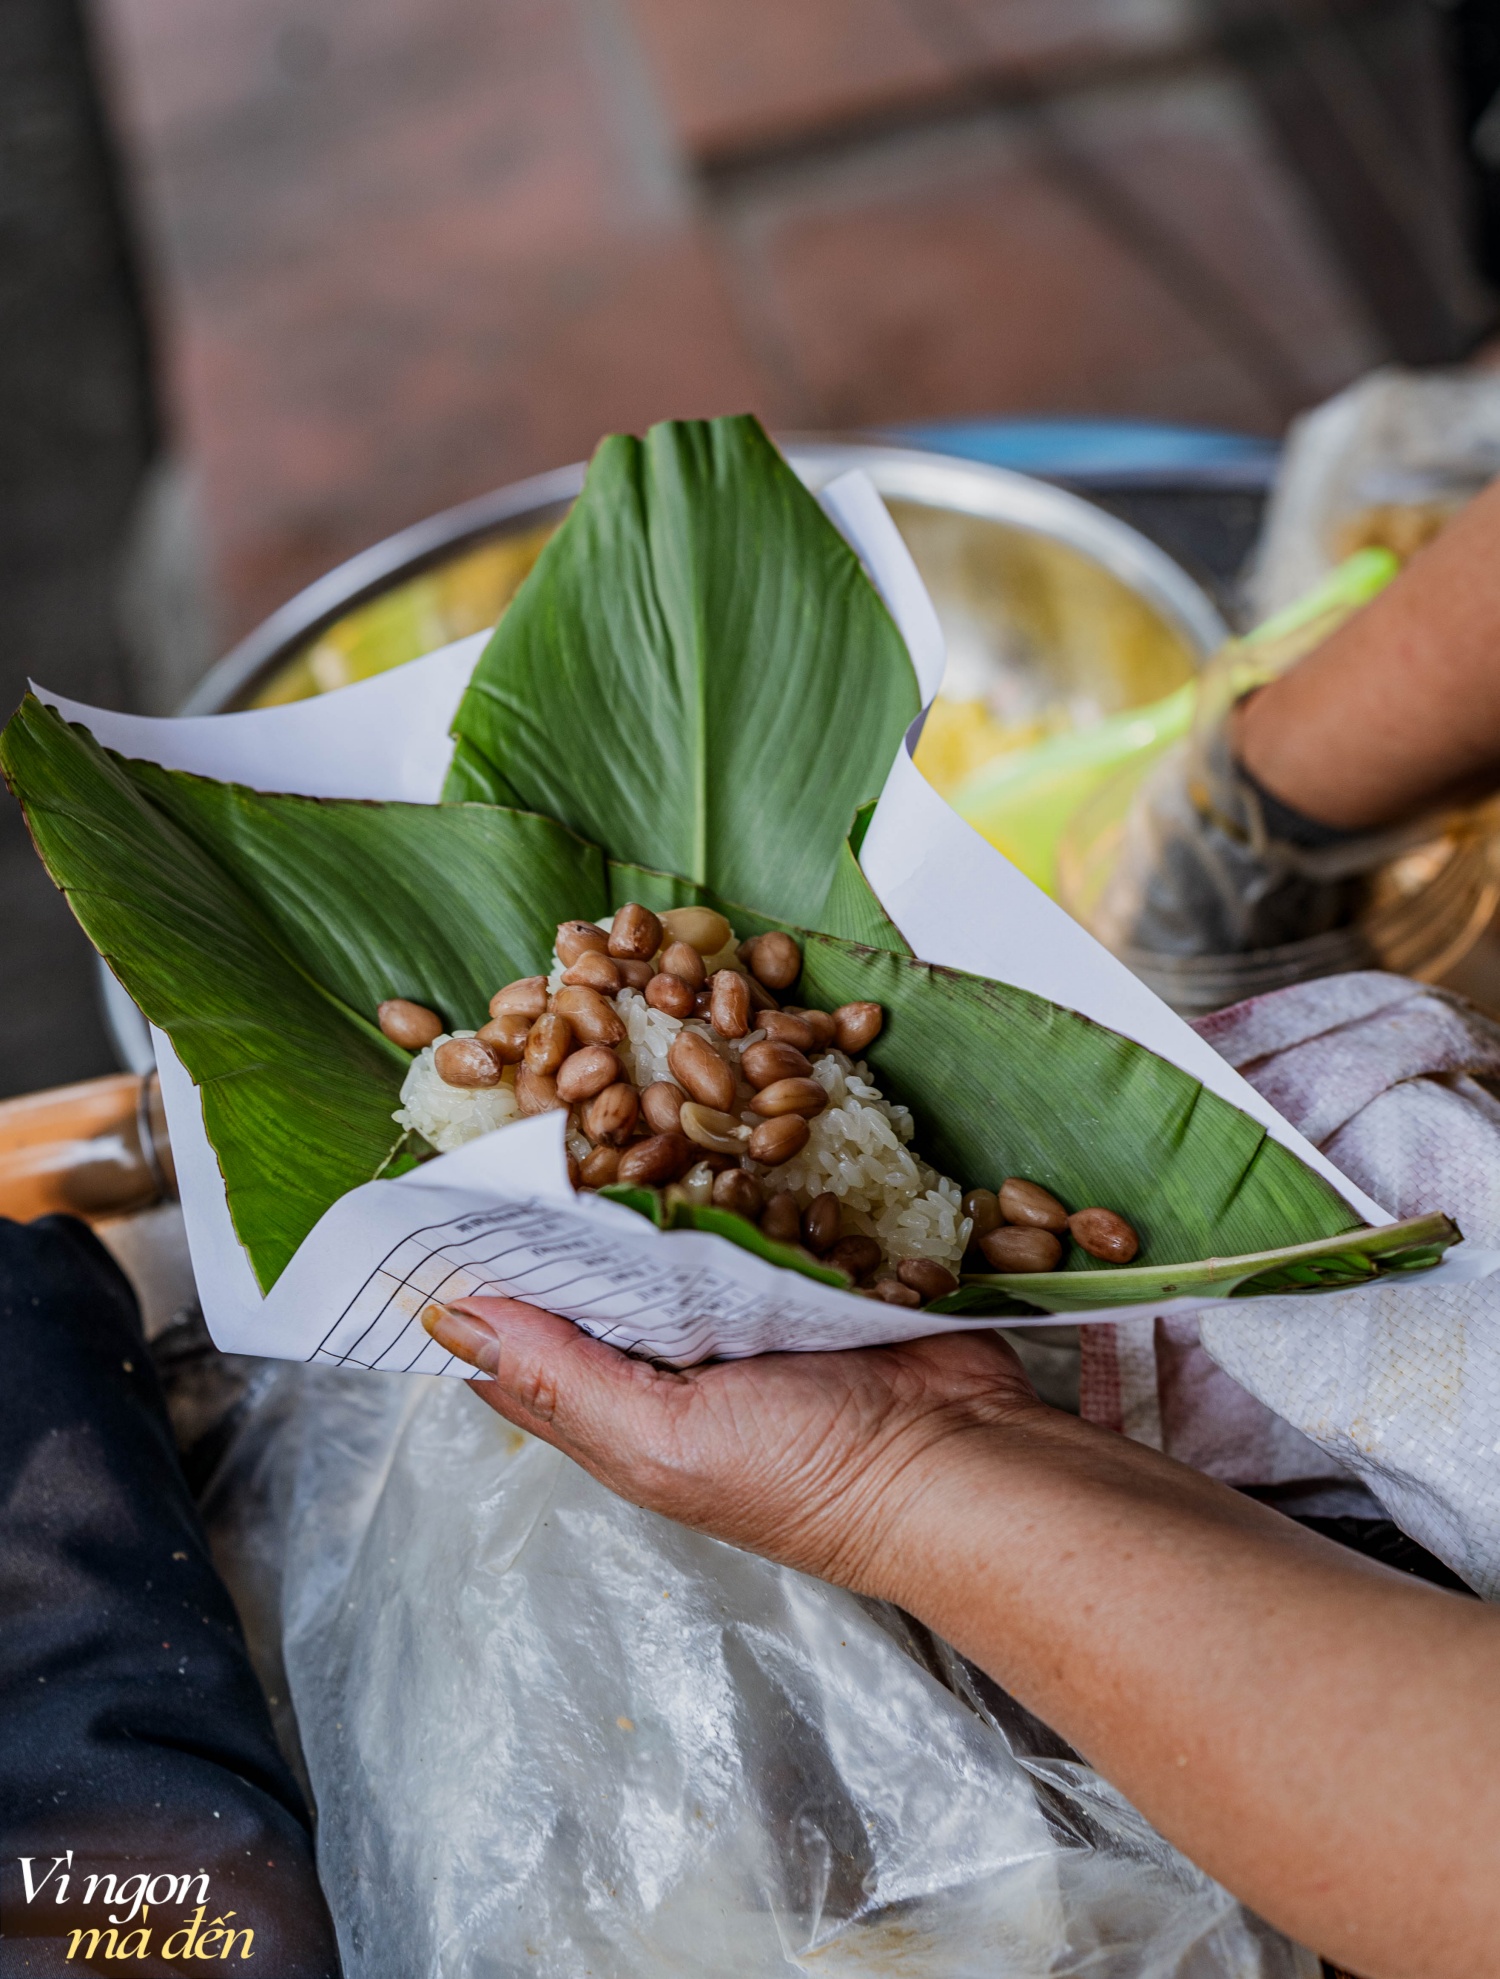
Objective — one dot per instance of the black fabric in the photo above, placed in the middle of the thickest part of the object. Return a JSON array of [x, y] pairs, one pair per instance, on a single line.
[[133, 1732]]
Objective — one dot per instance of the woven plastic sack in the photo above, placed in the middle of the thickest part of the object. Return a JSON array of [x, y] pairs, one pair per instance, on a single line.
[[1400, 1388], [551, 1734]]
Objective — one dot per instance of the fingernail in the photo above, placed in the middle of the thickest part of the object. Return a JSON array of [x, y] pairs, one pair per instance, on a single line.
[[463, 1336]]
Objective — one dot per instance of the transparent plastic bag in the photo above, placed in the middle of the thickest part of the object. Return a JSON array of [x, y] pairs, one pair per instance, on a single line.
[[550, 1733]]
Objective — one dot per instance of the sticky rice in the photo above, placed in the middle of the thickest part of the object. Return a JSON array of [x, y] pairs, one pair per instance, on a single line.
[[858, 1148]]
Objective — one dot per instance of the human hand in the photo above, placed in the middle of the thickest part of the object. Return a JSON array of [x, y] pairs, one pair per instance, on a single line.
[[810, 1459]]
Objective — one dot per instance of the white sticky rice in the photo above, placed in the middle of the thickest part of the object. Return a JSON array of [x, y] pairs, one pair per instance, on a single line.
[[448, 1116], [857, 1150]]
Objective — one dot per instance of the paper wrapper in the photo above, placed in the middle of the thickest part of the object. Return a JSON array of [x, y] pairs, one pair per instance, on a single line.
[[499, 1215]]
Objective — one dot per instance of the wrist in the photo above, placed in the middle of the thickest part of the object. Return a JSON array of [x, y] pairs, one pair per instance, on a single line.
[[914, 1522]]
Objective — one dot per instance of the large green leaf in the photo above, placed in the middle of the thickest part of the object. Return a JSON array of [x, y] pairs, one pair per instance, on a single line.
[[439, 903], [1331, 1264], [297, 1088], [260, 931], [1001, 1082], [697, 675]]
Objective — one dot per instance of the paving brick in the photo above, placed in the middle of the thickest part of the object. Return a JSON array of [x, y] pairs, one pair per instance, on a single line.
[[1191, 157], [734, 75], [965, 277], [1035, 40], [412, 249], [433, 257], [737, 78]]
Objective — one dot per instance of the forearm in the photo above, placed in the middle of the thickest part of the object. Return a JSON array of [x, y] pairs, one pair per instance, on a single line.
[[1316, 1732], [1400, 709]]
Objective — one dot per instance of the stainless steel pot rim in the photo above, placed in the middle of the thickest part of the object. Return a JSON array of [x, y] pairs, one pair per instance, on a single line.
[[999, 494], [932, 480]]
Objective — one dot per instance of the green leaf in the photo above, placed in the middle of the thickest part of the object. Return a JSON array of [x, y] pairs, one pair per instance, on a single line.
[[261, 932], [740, 1231], [1333, 1264], [440, 903], [697, 675], [297, 1088], [1001, 1082]]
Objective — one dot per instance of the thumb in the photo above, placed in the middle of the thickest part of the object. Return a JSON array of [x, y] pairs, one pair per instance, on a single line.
[[552, 1379]]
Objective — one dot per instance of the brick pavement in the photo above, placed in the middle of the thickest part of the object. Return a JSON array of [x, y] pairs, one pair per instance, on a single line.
[[410, 249]]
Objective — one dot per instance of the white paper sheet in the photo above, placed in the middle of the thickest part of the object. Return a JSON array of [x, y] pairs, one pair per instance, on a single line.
[[955, 899]]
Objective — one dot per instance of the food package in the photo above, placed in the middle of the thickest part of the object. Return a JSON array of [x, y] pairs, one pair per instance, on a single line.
[[550, 1734], [1384, 465], [254, 925]]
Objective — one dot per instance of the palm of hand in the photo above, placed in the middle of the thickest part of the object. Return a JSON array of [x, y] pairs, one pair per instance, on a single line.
[[804, 1457]]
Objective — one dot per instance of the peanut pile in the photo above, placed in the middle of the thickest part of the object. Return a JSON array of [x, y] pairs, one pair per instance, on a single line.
[[560, 1050]]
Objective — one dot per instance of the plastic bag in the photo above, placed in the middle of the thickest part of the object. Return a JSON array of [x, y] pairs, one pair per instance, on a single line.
[[1384, 464], [550, 1733]]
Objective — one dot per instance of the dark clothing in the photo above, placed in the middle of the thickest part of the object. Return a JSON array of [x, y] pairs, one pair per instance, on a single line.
[[132, 1729]]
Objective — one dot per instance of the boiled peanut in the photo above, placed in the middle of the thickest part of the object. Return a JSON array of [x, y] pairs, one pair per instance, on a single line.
[[729, 1004], [611, 1115], [892, 1292], [681, 959], [926, 1277], [536, 1092], [597, 972], [699, 927], [594, 1020], [781, 1219], [773, 959], [698, 1068], [506, 1035], [410, 1025], [820, 1223], [712, 1129], [858, 1255], [697, 1186], [1028, 1202], [1015, 1247], [528, 995], [1103, 1234], [819, 1022], [548, 1042], [661, 1106], [661, 1159], [671, 994], [767, 1061], [738, 1190], [575, 1171], [600, 1167], [804, 1096], [575, 938], [781, 1027], [635, 975], [466, 1062], [776, 1141], [856, 1025], [584, 1073], [635, 932], [982, 1207]]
